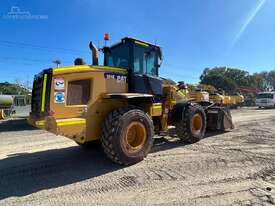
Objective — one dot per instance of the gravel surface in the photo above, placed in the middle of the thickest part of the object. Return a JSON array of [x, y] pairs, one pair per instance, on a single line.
[[234, 168]]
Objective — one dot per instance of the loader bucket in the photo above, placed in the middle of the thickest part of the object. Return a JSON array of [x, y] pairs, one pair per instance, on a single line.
[[219, 119]]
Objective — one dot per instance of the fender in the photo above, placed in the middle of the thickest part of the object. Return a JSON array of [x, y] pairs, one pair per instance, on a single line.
[[178, 111], [131, 97]]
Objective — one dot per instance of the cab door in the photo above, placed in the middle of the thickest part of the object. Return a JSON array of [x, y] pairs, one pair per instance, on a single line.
[[144, 73]]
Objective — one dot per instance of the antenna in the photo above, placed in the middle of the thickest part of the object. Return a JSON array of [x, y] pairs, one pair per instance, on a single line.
[[57, 62], [155, 41]]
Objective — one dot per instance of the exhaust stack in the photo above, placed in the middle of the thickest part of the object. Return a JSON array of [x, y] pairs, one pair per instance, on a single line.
[[94, 50]]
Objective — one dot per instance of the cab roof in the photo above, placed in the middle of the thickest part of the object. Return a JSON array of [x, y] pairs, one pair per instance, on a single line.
[[134, 40]]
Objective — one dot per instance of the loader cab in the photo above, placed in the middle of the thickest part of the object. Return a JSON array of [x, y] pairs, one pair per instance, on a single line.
[[141, 59]]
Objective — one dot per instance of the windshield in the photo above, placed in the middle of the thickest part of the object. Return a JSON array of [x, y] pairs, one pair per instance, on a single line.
[[265, 96], [117, 57]]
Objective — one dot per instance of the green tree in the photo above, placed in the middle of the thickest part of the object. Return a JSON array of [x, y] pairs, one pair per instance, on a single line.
[[12, 89], [220, 82], [229, 79]]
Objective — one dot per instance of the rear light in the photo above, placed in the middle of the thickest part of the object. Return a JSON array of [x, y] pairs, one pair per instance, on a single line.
[[51, 113]]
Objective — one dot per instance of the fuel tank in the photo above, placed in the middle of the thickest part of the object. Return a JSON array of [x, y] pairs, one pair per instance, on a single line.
[[5, 101]]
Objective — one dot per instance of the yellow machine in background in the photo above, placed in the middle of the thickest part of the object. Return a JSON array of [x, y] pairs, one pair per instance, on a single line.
[[206, 93], [237, 100], [193, 93], [199, 96], [213, 94], [221, 98], [216, 98], [227, 100]]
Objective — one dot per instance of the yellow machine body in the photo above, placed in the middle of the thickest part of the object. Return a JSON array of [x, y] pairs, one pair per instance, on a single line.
[[122, 103], [83, 123]]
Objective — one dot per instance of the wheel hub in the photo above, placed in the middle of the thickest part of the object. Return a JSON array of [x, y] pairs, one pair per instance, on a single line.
[[135, 136], [197, 123]]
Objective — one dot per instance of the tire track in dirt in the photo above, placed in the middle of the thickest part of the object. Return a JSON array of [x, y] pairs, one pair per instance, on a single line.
[[232, 168]]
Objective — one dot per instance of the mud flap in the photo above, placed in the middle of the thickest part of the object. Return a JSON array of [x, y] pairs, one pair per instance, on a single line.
[[219, 118]]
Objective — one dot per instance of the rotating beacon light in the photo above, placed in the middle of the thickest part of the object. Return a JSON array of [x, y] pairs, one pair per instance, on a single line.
[[106, 38]]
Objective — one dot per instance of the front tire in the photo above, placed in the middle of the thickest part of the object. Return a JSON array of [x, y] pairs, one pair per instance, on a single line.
[[191, 128], [127, 135]]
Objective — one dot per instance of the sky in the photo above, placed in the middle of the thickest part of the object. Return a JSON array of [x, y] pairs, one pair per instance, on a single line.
[[193, 34]]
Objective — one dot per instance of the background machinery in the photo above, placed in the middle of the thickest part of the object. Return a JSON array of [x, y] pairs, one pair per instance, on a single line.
[[233, 100], [123, 103], [192, 92], [237, 100], [6, 102]]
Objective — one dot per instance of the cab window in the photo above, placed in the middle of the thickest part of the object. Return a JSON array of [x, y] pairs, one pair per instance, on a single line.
[[265, 96], [118, 57], [78, 92], [145, 60]]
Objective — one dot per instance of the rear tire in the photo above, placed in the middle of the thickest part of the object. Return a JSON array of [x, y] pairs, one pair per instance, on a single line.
[[127, 135], [193, 124]]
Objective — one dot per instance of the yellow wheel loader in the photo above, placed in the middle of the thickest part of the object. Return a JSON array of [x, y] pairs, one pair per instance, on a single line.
[[123, 103], [237, 100], [193, 93], [199, 96], [228, 101], [217, 98]]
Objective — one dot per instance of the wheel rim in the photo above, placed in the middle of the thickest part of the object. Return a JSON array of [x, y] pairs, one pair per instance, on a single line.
[[135, 136], [196, 123]]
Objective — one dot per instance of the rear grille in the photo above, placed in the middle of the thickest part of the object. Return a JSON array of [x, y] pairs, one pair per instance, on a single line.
[[40, 105]]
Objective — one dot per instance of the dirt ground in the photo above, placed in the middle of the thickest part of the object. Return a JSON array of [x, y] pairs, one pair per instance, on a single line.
[[234, 168]]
